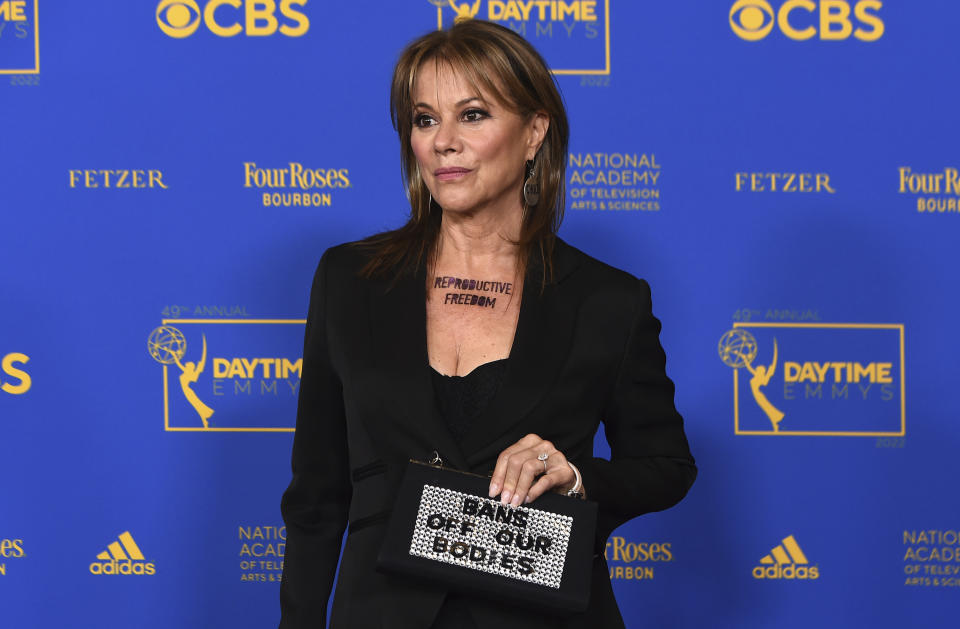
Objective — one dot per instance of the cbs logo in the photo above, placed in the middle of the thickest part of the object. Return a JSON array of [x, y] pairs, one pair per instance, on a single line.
[[21, 381], [181, 18], [753, 20]]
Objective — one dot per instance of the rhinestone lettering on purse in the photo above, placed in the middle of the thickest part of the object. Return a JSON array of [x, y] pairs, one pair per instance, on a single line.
[[475, 532]]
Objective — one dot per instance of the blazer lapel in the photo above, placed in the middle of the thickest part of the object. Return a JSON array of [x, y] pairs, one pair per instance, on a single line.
[[540, 346], [398, 328]]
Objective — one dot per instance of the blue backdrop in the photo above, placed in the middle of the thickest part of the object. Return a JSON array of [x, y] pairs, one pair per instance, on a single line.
[[783, 173]]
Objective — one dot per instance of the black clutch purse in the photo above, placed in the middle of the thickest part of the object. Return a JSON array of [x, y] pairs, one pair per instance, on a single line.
[[445, 529]]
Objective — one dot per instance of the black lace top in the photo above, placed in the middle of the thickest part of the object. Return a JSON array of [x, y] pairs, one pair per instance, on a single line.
[[461, 399]]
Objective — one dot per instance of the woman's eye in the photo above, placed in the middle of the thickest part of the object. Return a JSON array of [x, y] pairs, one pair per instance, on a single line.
[[423, 120], [474, 115]]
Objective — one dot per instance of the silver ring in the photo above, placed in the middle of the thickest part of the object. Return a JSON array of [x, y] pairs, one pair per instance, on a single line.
[[543, 459]]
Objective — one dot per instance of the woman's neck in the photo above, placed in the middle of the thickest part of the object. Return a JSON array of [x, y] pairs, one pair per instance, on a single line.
[[478, 242]]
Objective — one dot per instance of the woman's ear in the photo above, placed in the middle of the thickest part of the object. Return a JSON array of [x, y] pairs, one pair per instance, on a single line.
[[538, 125]]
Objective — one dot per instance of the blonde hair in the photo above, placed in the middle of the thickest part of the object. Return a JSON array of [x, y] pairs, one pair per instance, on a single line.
[[495, 60]]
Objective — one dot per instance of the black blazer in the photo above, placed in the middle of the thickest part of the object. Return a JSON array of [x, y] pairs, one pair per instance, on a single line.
[[587, 350]]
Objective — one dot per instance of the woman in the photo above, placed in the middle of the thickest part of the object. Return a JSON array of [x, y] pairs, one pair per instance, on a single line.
[[475, 334]]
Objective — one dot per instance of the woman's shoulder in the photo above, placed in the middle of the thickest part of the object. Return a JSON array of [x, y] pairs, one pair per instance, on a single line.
[[378, 258], [345, 257], [598, 275]]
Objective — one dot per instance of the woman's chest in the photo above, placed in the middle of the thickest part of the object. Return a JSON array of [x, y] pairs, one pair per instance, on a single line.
[[467, 330]]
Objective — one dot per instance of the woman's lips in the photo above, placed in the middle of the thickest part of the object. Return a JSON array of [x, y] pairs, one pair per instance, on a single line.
[[449, 174]]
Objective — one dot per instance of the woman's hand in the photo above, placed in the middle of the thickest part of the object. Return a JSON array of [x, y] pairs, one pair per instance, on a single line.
[[518, 466]]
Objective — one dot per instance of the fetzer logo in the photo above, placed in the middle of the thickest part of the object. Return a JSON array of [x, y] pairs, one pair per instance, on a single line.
[[123, 556], [786, 561]]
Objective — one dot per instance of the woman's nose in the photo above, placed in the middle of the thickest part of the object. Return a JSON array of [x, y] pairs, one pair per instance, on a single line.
[[447, 138]]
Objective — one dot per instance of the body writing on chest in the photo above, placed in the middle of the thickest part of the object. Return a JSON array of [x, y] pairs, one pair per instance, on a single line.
[[471, 319]]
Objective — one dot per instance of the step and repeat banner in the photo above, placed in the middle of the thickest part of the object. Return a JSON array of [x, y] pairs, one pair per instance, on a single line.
[[784, 173]]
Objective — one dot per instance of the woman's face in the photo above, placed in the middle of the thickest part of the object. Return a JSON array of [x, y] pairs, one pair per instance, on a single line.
[[470, 149]]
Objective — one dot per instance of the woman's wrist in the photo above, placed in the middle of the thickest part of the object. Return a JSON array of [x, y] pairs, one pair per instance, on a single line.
[[576, 490]]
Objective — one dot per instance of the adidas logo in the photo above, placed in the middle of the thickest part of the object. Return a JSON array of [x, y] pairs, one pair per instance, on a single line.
[[786, 561], [122, 557]]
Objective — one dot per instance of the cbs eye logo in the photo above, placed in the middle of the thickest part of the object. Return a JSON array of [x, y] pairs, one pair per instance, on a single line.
[[178, 18], [255, 18], [752, 20]]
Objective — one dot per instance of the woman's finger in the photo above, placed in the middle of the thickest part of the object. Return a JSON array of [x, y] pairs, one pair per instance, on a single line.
[[529, 470], [521, 468], [500, 471], [546, 482], [513, 469], [525, 467], [558, 476]]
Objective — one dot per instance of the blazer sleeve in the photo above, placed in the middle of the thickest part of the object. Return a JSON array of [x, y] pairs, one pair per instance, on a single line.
[[316, 503], [650, 466]]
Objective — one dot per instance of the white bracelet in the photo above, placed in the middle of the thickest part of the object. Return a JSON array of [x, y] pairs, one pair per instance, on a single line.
[[576, 486]]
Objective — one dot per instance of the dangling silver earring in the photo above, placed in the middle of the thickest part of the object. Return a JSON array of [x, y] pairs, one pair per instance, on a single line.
[[531, 189]]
